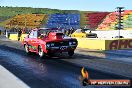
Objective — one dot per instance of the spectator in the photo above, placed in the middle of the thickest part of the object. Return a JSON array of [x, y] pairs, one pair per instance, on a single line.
[[67, 32], [19, 34], [24, 30], [0, 32], [71, 31], [5, 32]]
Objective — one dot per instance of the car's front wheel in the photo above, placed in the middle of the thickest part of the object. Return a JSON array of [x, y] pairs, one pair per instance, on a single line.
[[27, 49], [40, 52], [70, 53]]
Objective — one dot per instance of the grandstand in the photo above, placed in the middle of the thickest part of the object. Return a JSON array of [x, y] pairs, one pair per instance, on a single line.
[[127, 22], [63, 21], [83, 19], [25, 20], [95, 18], [110, 22]]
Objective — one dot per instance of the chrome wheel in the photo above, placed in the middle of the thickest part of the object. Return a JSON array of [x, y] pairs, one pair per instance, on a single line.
[[40, 52], [27, 49], [70, 53]]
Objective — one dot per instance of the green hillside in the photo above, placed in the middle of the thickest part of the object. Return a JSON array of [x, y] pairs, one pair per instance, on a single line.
[[12, 11]]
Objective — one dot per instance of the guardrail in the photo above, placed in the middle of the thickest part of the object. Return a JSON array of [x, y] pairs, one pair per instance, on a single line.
[[105, 44], [15, 36]]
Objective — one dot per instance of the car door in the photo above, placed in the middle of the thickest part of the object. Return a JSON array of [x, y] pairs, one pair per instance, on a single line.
[[30, 39], [78, 33], [35, 40]]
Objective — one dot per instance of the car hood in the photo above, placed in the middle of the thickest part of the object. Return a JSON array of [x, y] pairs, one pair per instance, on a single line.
[[57, 40]]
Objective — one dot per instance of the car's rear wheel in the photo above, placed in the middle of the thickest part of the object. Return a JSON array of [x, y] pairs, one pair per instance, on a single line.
[[70, 53], [40, 52], [27, 49]]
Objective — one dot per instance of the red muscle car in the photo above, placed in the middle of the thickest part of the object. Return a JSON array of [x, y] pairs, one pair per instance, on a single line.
[[45, 41]]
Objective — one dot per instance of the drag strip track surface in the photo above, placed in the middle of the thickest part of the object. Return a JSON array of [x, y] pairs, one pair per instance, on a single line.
[[50, 72]]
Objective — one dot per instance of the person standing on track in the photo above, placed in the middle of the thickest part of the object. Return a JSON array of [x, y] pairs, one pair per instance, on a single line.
[[19, 34], [0, 32]]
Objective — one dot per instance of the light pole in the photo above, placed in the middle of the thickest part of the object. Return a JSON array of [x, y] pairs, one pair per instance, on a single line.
[[119, 14]]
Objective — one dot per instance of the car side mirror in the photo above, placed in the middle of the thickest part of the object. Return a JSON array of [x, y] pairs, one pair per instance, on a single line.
[[42, 36], [28, 36]]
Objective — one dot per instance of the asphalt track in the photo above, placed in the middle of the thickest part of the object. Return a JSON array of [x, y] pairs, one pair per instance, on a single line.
[[50, 72]]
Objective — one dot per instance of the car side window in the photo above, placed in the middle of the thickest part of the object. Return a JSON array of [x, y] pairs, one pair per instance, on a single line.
[[41, 32], [31, 35], [35, 34]]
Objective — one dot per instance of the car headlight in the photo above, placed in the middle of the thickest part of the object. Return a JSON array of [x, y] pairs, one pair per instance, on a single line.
[[47, 45], [74, 42], [52, 44], [70, 43]]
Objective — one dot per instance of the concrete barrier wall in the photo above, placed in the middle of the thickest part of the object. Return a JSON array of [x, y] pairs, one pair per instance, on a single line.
[[15, 36], [118, 44], [94, 43], [91, 43], [104, 44]]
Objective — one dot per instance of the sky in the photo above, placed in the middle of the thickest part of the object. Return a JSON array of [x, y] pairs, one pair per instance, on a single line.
[[83, 5]]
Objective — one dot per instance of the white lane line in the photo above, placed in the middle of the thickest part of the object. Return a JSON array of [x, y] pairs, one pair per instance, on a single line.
[[8, 80], [122, 52]]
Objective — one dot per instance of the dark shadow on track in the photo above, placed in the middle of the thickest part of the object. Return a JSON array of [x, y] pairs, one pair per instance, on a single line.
[[56, 56]]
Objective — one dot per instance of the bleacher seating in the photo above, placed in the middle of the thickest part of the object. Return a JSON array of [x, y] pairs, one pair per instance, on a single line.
[[64, 21], [26, 20], [83, 19], [95, 18], [110, 22], [128, 23]]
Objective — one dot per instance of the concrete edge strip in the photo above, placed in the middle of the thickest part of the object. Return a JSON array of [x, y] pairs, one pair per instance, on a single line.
[[9, 80]]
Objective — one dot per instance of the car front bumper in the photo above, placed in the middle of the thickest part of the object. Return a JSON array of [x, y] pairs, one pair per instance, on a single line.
[[61, 49]]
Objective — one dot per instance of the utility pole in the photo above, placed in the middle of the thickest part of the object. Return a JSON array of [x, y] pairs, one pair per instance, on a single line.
[[119, 18]]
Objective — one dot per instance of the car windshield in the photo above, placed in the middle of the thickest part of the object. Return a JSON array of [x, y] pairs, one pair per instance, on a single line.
[[86, 29], [46, 31], [78, 31], [81, 30]]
